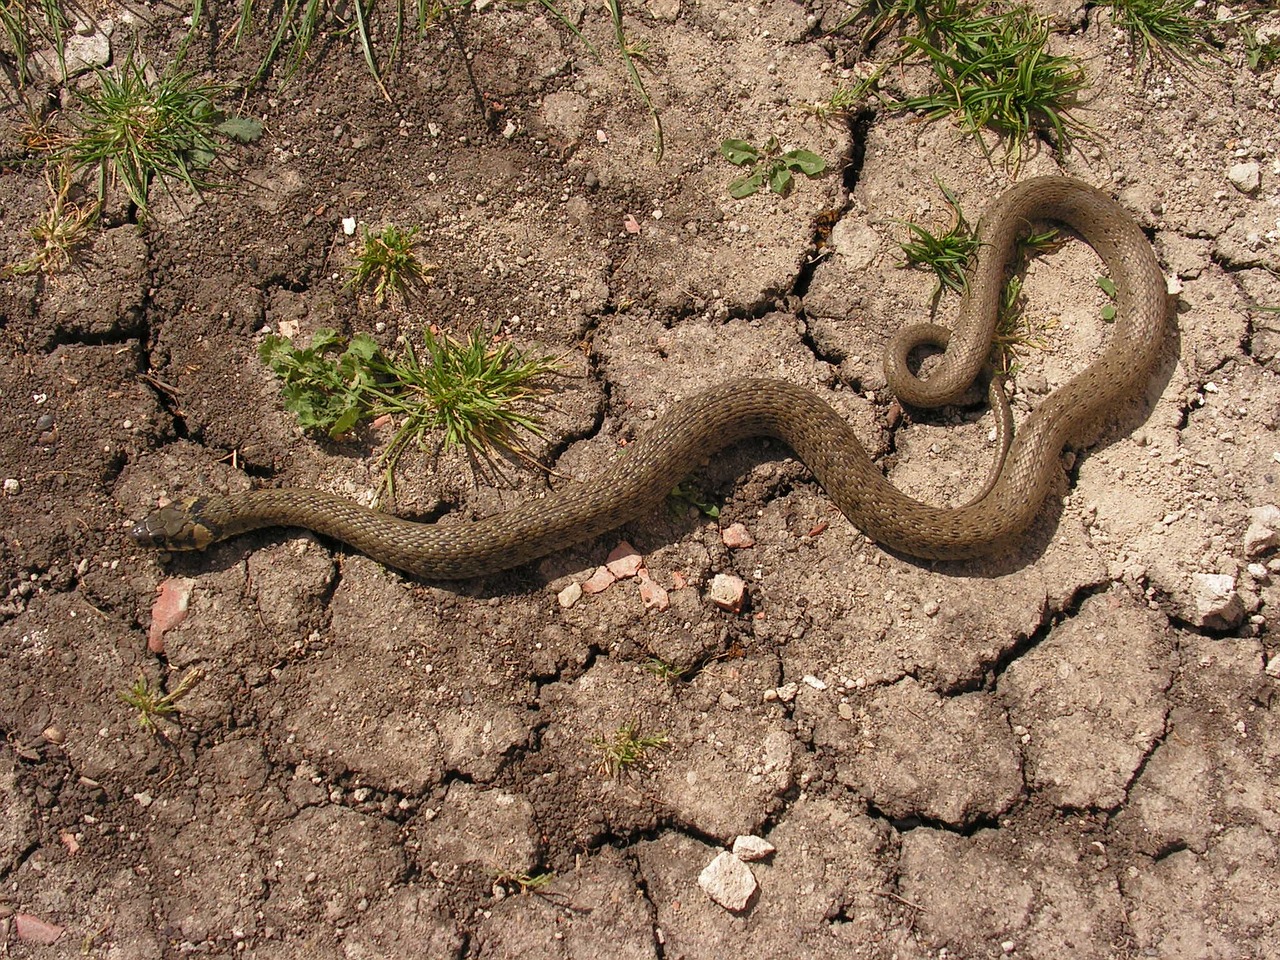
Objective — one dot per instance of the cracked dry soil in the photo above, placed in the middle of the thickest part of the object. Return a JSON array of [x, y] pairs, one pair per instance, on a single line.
[[1063, 752]]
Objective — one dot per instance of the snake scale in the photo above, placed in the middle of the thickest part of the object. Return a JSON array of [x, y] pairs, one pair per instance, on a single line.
[[745, 408]]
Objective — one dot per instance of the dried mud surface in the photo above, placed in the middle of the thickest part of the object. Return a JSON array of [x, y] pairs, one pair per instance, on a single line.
[[1067, 751]]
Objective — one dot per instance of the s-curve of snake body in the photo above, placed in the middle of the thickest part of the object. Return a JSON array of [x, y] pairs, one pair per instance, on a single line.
[[828, 446]]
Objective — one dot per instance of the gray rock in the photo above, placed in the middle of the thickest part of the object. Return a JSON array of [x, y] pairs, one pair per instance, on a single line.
[[728, 881]]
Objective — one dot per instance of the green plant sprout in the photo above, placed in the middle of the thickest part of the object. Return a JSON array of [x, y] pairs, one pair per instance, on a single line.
[[625, 748], [670, 672], [1260, 53], [996, 72], [1107, 286], [386, 261], [523, 882], [687, 494], [768, 166], [946, 254], [154, 705], [1161, 28]]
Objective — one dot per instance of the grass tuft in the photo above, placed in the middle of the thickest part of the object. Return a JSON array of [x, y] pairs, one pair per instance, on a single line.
[[946, 254], [625, 748], [135, 131], [22, 22], [62, 228], [387, 263], [996, 72], [473, 393], [1162, 28]]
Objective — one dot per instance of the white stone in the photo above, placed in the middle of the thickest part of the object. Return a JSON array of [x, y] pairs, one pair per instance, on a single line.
[[1245, 177], [855, 241], [1218, 605], [728, 881], [751, 848], [1264, 530], [82, 52], [349, 225], [569, 595]]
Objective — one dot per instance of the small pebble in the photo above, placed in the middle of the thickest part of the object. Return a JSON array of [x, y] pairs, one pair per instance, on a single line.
[[624, 561], [750, 848], [653, 594], [727, 592], [1217, 603], [569, 595], [601, 580], [1245, 177]]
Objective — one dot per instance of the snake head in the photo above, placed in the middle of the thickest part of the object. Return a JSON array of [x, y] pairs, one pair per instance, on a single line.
[[175, 526]]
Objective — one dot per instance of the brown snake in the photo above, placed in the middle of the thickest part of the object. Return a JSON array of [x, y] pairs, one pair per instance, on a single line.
[[733, 411]]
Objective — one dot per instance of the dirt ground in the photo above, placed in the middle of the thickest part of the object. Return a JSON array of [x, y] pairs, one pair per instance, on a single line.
[[1069, 751]]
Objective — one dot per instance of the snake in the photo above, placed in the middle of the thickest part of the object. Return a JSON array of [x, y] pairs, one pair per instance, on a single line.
[[709, 421]]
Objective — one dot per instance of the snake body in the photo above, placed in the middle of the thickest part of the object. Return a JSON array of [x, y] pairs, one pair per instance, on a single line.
[[745, 408]]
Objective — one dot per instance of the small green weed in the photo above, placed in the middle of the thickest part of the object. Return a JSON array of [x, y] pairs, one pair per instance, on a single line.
[[625, 748], [327, 393], [472, 390], [1260, 53], [154, 705], [1015, 331], [630, 53], [768, 166], [1161, 28], [996, 72], [62, 228], [1108, 287], [299, 22], [846, 99], [387, 263], [687, 494], [136, 131], [521, 882], [946, 254], [885, 14], [670, 672]]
